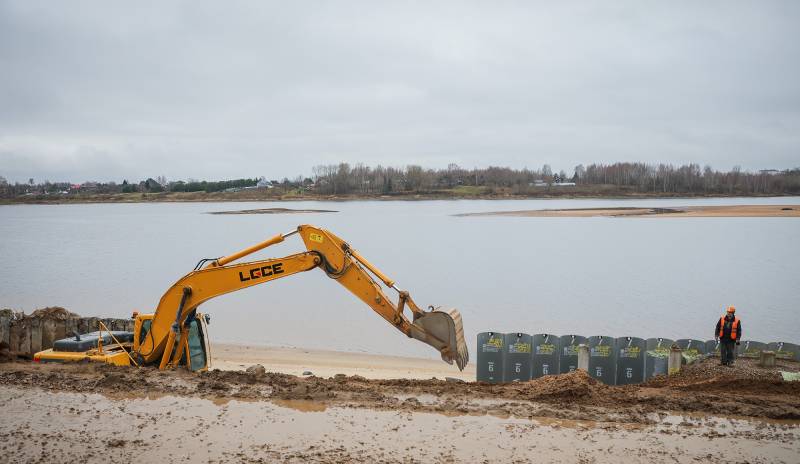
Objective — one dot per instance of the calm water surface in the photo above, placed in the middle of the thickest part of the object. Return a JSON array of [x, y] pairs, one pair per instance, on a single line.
[[666, 277]]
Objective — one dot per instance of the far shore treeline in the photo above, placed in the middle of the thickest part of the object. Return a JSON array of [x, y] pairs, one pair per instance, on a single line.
[[343, 180]]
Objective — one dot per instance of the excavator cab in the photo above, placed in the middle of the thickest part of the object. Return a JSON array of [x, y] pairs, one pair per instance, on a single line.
[[198, 349], [141, 328], [195, 350]]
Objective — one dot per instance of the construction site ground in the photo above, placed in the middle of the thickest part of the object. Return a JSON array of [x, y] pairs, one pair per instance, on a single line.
[[100, 413]]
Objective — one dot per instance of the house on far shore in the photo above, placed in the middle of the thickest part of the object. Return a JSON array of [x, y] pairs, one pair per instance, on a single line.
[[264, 183]]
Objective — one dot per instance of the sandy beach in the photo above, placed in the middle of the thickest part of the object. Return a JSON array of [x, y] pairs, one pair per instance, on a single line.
[[323, 363], [681, 211]]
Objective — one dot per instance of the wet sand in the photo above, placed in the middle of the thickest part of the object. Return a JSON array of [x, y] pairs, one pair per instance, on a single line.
[[91, 412], [91, 428], [681, 211], [324, 363]]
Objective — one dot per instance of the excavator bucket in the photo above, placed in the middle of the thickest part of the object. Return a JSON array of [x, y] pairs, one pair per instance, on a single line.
[[443, 330]]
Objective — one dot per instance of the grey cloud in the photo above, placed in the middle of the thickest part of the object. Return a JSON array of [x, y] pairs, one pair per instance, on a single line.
[[107, 90]]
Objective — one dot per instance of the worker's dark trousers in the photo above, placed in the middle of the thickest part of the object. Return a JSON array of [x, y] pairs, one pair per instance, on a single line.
[[727, 349]]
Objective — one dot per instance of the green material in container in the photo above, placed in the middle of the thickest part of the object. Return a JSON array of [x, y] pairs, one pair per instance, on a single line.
[[790, 376]]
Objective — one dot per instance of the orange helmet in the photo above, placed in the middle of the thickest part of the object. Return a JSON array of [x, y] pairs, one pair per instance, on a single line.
[[731, 309]]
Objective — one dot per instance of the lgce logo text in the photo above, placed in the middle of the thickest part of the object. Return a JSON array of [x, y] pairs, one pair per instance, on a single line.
[[261, 271]]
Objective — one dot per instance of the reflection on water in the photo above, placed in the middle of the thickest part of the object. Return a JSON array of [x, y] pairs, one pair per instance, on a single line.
[[644, 277]]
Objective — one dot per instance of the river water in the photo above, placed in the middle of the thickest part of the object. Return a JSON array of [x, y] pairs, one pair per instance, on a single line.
[[667, 277]]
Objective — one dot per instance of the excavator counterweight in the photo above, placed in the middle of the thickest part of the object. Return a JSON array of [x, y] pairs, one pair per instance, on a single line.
[[176, 333]]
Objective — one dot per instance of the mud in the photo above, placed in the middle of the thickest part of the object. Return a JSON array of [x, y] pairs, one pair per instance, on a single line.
[[743, 391], [53, 312], [96, 413], [91, 428]]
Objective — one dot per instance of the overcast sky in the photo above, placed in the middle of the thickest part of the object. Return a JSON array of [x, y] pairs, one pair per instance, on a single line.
[[110, 90]]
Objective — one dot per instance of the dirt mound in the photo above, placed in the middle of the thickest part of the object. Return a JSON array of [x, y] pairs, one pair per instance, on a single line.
[[745, 389], [53, 312], [575, 386], [745, 376]]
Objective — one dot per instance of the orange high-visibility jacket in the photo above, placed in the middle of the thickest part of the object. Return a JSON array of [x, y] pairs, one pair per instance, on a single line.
[[735, 331]]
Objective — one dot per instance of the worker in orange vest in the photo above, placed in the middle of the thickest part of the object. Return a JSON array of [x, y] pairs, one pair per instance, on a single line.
[[729, 334]]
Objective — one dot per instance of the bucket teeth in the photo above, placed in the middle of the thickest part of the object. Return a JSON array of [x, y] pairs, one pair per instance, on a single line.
[[462, 355], [443, 330]]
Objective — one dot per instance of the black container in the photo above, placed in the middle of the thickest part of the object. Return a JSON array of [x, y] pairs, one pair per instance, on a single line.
[[692, 349], [568, 349], [491, 353], [750, 349], [785, 350], [603, 359], [712, 348], [630, 360], [656, 358], [518, 360], [545, 355]]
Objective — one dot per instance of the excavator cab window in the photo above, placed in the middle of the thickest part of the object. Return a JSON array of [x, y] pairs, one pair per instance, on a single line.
[[197, 346], [144, 330]]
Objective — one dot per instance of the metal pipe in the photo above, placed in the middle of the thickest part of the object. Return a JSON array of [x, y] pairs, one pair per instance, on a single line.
[[389, 282], [258, 246]]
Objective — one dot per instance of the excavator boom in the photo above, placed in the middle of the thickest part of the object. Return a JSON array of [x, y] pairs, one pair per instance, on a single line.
[[167, 342]]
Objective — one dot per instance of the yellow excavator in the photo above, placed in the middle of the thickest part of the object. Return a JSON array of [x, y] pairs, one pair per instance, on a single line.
[[177, 334]]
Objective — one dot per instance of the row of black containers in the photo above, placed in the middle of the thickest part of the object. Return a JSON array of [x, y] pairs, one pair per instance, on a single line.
[[615, 361]]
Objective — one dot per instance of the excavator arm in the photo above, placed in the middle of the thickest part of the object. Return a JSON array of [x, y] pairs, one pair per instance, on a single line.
[[441, 329], [166, 341]]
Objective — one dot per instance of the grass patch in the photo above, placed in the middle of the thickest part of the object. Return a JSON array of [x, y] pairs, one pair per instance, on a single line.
[[469, 190]]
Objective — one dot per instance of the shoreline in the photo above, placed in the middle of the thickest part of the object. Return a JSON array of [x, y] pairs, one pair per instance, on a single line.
[[229, 198], [728, 211]]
